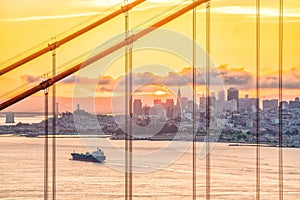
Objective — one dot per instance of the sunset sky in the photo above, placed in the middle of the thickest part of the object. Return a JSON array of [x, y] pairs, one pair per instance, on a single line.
[[32, 23]]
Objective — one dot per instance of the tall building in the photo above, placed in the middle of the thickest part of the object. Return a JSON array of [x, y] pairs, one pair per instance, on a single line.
[[146, 110], [184, 103], [177, 111], [157, 102], [212, 100], [137, 107], [202, 101], [80, 112], [170, 103], [284, 105], [294, 104], [190, 105], [231, 105], [233, 93], [158, 111], [178, 103], [170, 108], [10, 117], [248, 104], [270, 104], [221, 95]]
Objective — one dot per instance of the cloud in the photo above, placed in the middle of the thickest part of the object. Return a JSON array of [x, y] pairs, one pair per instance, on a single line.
[[148, 82], [223, 75], [236, 77], [291, 79], [30, 79], [103, 80], [146, 77], [270, 81], [69, 79], [174, 79], [242, 79], [104, 89]]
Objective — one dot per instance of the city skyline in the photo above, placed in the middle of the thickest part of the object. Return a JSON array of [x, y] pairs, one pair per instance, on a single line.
[[65, 104], [244, 103]]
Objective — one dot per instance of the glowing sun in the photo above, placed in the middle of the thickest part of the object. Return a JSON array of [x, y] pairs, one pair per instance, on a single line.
[[159, 92]]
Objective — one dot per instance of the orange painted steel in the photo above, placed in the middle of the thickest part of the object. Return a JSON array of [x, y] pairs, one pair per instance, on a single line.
[[68, 38], [49, 82]]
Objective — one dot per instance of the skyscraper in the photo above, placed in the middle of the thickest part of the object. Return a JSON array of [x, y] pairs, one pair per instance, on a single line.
[[233, 93], [170, 108], [10, 117], [248, 104], [202, 100], [270, 104], [184, 103], [221, 95], [178, 103], [177, 111], [137, 107], [157, 102]]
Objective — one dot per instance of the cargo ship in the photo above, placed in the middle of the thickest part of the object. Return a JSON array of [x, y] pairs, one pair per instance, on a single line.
[[95, 156]]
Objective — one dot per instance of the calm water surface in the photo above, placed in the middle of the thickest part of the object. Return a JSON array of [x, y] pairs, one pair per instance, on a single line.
[[232, 173]]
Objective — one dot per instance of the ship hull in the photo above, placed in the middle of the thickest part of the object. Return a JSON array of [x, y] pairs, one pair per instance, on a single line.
[[90, 158]]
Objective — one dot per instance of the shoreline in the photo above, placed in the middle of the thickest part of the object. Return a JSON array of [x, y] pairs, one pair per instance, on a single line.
[[233, 144]]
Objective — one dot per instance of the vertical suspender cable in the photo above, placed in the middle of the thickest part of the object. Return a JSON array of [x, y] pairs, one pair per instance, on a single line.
[[53, 125], [257, 100], [207, 100], [128, 147], [194, 104], [130, 121], [126, 107], [46, 147], [280, 99]]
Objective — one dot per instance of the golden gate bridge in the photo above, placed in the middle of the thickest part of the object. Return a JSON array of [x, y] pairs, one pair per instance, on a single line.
[[127, 44]]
